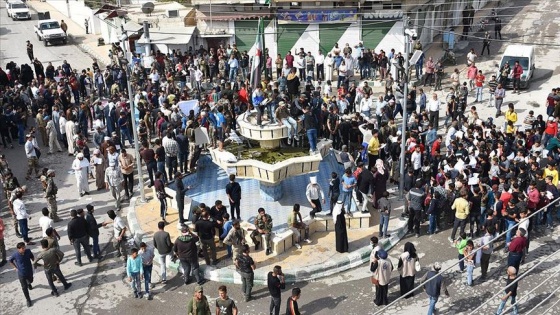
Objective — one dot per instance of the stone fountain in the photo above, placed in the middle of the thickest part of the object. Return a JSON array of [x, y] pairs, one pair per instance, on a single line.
[[269, 175]]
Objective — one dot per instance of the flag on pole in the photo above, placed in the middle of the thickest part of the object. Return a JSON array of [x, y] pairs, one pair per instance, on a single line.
[[257, 57]]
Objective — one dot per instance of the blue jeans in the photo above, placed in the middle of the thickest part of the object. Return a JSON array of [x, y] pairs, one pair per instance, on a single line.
[[433, 224], [549, 216], [232, 74], [503, 304], [509, 224], [147, 277], [462, 262], [432, 307], [96, 250], [482, 216], [21, 131], [383, 224], [418, 67], [152, 169], [470, 269], [346, 196], [312, 137], [292, 126], [125, 135], [479, 95], [23, 229], [182, 158], [136, 283]]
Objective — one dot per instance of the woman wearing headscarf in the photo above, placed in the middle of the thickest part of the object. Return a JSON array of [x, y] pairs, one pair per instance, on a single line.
[[340, 228], [380, 179], [382, 269], [407, 269]]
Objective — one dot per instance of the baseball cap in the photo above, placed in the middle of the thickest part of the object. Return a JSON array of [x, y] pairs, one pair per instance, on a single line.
[[198, 288]]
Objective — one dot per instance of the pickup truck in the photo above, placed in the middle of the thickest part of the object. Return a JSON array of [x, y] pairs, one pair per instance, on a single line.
[[49, 31], [18, 10]]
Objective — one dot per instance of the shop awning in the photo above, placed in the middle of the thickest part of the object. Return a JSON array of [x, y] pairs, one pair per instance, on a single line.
[[132, 27], [231, 16], [172, 36]]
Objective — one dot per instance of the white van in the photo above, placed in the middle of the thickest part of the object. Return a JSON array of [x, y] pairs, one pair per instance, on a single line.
[[526, 56]]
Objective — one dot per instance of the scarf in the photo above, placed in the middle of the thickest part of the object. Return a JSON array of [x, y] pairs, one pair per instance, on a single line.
[[291, 76], [337, 210], [380, 167]]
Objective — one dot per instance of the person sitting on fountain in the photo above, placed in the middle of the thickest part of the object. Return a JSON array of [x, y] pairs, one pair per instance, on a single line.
[[283, 117]]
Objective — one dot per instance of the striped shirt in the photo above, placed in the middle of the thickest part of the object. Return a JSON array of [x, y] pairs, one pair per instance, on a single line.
[[492, 84]]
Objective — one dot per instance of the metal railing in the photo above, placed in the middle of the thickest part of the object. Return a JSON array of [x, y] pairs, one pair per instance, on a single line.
[[514, 282], [421, 285]]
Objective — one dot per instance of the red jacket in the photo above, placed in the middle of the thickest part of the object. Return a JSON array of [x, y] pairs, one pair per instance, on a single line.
[[517, 71]]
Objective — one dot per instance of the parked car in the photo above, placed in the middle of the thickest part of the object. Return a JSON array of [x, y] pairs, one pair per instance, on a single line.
[[18, 10], [49, 31]]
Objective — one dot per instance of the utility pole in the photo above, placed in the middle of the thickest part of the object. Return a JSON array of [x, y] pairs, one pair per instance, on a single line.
[[147, 37], [405, 98], [133, 118]]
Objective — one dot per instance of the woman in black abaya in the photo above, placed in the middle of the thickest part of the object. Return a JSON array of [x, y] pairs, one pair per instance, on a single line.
[[340, 228]]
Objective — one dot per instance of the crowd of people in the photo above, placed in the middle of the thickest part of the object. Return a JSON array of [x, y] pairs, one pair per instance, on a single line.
[[466, 170]]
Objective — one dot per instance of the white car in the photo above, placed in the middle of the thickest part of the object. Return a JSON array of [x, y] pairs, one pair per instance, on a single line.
[[18, 10]]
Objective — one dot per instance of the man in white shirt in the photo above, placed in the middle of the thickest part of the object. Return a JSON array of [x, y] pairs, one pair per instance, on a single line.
[[198, 78], [119, 230], [32, 159], [416, 160], [45, 222], [300, 65], [320, 62], [433, 108], [315, 196], [233, 66], [471, 57], [22, 216]]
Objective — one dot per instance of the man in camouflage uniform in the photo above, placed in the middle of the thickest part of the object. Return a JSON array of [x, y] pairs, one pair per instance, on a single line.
[[263, 223], [50, 195]]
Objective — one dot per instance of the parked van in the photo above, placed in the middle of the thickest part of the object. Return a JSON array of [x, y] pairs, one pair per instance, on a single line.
[[526, 56]]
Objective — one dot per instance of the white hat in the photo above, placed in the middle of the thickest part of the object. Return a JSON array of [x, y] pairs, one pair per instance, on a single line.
[[550, 118], [80, 155], [313, 179]]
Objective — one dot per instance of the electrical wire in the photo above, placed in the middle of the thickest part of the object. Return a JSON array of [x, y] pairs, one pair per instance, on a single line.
[[546, 299], [526, 294], [519, 277], [464, 258]]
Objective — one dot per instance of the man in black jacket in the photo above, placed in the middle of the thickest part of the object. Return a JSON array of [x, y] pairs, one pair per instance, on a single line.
[[186, 250], [93, 227], [205, 229], [275, 282], [78, 235], [365, 185]]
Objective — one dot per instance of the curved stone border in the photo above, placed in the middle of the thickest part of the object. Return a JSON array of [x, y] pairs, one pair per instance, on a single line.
[[312, 272], [260, 133]]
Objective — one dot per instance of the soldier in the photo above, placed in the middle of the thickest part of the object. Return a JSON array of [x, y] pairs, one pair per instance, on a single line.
[[263, 223], [50, 195]]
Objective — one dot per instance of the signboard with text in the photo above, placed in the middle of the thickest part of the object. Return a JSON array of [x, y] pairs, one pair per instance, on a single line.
[[317, 16]]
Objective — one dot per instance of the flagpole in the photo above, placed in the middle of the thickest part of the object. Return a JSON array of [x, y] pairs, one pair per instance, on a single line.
[[263, 56]]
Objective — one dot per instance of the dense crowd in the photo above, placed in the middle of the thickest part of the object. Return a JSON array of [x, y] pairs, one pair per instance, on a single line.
[[468, 171]]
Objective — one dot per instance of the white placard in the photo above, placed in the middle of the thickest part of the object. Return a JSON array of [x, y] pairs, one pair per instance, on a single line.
[[201, 136], [186, 106]]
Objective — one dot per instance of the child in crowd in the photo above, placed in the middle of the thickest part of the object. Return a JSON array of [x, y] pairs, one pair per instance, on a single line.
[[135, 272]]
